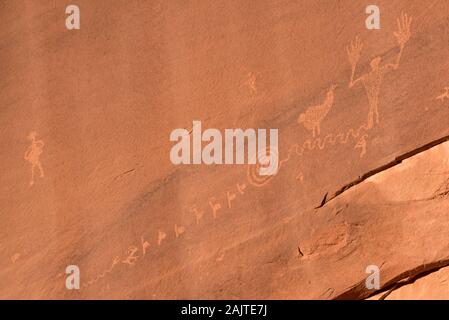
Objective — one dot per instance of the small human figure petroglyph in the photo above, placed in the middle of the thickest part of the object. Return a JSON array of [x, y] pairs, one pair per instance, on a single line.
[[33, 153], [250, 83], [444, 95], [372, 81], [161, 236], [312, 117], [132, 258], [300, 176]]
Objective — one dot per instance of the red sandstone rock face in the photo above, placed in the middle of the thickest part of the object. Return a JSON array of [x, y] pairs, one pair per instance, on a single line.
[[430, 286], [86, 179]]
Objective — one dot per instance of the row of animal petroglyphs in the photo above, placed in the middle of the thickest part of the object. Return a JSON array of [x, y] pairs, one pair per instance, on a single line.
[[311, 119], [213, 206]]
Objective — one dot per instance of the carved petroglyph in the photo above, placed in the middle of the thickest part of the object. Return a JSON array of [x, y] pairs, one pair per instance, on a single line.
[[372, 81], [250, 84], [215, 207], [361, 144], [197, 213], [32, 155], [312, 117], [444, 95], [115, 261], [145, 245], [230, 196], [132, 257], [179, 230], [319, 143], [322, 241], [15, 257], [241, 188], [253, 171], [160, 237], [220, 257]]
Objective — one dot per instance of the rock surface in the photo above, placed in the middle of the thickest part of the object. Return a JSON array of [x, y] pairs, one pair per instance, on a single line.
[[91, 110], [433, 286]]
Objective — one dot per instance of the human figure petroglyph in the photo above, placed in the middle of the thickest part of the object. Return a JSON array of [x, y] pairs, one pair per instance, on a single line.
[[372, 81], [312, 117], [444, 95], [32, 155], [250, 83]]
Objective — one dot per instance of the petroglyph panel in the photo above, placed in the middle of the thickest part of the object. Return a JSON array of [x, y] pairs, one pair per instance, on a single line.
[[87, 180]]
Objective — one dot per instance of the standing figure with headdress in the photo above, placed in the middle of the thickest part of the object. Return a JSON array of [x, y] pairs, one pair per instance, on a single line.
[[33, 154], [373, 79]]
